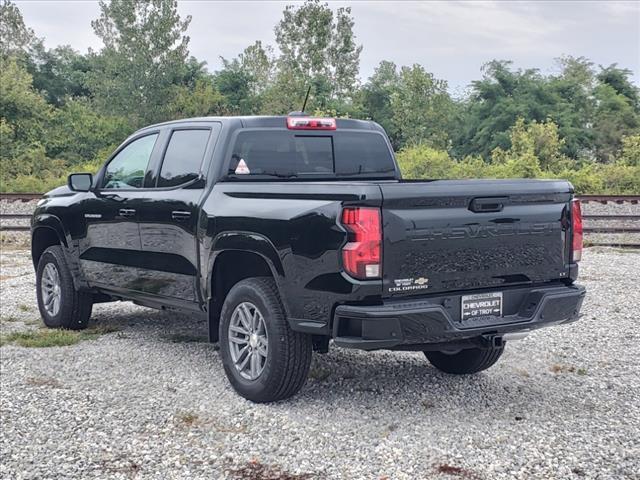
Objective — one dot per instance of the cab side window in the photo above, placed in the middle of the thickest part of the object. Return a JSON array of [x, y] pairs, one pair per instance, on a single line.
[[183, 157], [128, 167]]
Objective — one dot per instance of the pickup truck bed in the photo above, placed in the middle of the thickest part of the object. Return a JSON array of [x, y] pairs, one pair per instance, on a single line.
[[302, 230]]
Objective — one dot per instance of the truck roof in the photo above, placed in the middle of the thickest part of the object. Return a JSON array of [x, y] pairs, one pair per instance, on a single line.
[[267, 121]]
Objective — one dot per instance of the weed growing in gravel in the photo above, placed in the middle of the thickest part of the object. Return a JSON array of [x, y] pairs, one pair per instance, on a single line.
[[456, 471], [254, 470], [15, 240], [187, 418], [42, 338], [183, 338], [102, 329], [24, 308], [319, 373], [558, 368], [43, 382]]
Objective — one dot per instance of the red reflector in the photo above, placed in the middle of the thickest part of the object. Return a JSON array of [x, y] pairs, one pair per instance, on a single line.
[[308, 123], [362, 255], [576, 224]]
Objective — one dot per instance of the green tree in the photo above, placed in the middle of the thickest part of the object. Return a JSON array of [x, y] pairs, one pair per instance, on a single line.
[[376, 98], [496, 102], [617, 112], [317, 49], [16, 39], [411, 104], [76, 133], [630, 154], [60, 73], [574, 104], [259, 64], [521, 159], [424, 162], [421, 108], [23, 113], [244, 80], [145, 54], [201, 100]]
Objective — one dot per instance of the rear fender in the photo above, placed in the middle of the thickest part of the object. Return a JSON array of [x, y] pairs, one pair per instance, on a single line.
[[245, 242]]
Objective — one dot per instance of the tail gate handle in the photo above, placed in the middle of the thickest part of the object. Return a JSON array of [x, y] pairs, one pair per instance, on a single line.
[[488, 204]]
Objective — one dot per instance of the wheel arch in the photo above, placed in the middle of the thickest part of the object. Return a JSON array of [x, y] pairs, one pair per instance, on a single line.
[[43, 236], [236, 256]]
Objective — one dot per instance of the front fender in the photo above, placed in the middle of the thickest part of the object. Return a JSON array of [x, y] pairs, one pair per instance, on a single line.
[[72, 254], [47, 220]]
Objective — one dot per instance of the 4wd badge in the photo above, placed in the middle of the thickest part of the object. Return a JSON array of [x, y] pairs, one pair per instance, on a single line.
[[409, 284]]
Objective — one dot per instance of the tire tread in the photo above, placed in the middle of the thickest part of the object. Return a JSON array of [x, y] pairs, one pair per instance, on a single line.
[[291, 371], [78, 313]]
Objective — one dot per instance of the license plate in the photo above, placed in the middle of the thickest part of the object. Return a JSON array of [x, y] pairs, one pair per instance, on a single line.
[[481, 305]]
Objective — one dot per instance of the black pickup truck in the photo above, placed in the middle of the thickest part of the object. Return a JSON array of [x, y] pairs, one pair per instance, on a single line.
[[288, 232]]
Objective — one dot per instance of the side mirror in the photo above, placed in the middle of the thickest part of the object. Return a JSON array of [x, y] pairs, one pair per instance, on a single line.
[[80, 182]]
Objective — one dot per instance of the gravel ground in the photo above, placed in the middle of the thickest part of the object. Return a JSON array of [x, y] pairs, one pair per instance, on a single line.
[[150, 401]]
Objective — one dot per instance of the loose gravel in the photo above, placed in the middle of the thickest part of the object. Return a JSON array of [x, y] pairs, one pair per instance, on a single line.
[[150, 401]]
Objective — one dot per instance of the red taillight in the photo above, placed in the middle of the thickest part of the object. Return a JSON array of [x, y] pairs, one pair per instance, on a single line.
[[362, 255], [577, 232], [309, 123]]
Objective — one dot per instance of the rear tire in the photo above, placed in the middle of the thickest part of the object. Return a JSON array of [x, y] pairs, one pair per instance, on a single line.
[[253, 306], [464, 362], [60, 304]]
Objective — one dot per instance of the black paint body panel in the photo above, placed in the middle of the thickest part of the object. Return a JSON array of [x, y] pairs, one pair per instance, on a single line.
[[437, 230]]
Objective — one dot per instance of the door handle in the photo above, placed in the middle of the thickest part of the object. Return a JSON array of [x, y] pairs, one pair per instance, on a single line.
[[127, 212], [180, 215]]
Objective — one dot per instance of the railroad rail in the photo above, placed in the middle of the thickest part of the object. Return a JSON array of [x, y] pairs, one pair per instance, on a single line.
[[608, 229], [20, 197], [635, 199]]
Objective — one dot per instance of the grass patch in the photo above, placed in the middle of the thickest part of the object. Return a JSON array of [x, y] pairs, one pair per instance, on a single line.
[[43, 338], [24, 308]]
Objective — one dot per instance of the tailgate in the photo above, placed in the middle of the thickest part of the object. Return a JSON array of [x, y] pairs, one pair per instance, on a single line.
[[472, 234]]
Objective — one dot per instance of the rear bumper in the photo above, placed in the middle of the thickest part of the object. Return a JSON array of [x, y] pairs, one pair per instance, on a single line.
[[427, 323]]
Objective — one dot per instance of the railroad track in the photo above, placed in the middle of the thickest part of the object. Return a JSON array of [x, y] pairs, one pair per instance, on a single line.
[[20, 197], [633, 199]]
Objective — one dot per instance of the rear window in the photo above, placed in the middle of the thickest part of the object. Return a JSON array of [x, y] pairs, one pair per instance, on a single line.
[[183, 157], [287, 153]]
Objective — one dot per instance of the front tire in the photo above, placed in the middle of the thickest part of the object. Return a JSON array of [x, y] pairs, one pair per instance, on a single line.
[[264, 360], [60, 304], [464, 362]]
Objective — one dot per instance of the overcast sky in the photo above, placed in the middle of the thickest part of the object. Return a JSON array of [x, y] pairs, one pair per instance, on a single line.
[[451, 39]]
